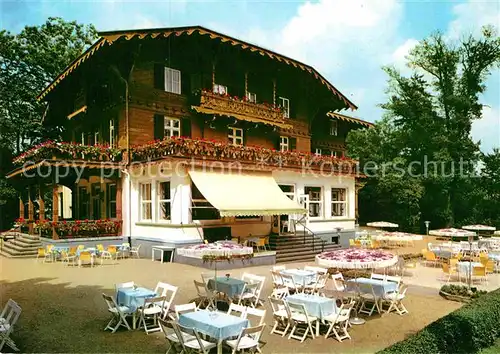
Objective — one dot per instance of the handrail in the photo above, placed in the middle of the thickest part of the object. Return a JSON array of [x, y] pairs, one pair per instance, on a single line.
[[314, 236]]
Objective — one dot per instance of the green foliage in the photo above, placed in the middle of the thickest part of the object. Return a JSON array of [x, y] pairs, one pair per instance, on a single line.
[[462, 290], [423, 149], [466, 330]]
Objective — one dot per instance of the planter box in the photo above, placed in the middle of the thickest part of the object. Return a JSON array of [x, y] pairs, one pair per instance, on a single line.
[[458, 298]]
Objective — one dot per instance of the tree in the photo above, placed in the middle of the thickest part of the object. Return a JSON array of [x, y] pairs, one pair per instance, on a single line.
[[29, 61], [428, 119]]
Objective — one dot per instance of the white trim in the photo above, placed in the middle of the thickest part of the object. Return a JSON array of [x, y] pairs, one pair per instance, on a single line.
[[285, 105], [159, 200], [220, 89], [172, 80], [143, 201], [345, 202], [169, 124], [251, 97], [284, 143], [234, 139], [321, 202]]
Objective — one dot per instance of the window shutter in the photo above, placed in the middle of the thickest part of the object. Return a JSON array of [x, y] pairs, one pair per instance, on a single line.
[[159, 77], [186, 127], [159, 126], [245, 133], [292, 142], [277, 143]]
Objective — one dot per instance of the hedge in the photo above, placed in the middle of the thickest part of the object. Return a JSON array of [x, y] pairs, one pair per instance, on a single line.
[[467, 330]]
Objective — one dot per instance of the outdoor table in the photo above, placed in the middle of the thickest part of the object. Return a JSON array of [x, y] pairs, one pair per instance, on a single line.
[[92, 251], [300, 276], [162, 250], [133, 298], [228, 286], [217, 325], [317, 306], [464, 267], [56, 250], [494, 256], [380, 287]]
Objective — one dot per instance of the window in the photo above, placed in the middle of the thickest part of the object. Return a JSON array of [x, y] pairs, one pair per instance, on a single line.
[[318, 152], [111, 200], [201, 209], [333, 128], [339, 202], [285, 105], [315, 201], [284, 143], [164, 201], [220, 89], [112, 132], [235, 136], [172, 80], [288, 190], [171, 127], [146, 201], [251, 97]]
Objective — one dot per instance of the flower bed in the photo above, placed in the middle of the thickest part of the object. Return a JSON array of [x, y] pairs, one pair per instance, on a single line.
[[460, 293], [79, 228], [216, 251], [73, 151], [211, 149]]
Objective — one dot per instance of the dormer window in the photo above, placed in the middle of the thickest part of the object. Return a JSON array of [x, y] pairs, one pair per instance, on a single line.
[[220, 89]]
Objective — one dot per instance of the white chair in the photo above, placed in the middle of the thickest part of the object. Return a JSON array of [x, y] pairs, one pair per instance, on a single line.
[[129, 284], [277, 279], [339, 322], [237, 310], [367, 296], [67, 258], [8, 319], [252, 279], [318, 286], [152, 309], [395, 300], [169, 291], [393, 279], [281, 315], [170, 330], [247, 339], [119, 314], [279, 268], [289, 282], [338, 281], [198, 344], [257, 313], [206, 296], [280, 293], [318, 270], [135, 251], [185, 308], [206, 277], [249, 294], [301, 317]]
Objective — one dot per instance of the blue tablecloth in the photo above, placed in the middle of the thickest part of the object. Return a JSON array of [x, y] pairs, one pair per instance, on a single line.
[[463, 267], [227, 286], [442, 253], [219, 325], [133, 298], [317, 306], [300, 276], [122, 247], [380, 287], [59, 248], [494, 256]]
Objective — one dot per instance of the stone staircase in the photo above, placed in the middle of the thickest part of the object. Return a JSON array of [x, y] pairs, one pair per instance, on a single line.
[[19, 245], [298, 247]]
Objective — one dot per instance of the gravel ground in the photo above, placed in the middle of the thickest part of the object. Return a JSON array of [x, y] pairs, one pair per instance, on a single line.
[[63, 310]]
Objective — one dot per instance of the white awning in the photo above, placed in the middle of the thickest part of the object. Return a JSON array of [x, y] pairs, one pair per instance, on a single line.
[[235, 194]]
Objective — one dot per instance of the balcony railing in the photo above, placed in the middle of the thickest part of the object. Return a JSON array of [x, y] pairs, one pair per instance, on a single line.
[[240, 108], [69, 151], [215, 150]]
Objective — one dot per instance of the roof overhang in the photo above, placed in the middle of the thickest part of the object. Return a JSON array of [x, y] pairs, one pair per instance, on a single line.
[[108, 38], [349, 119], [26, 168]]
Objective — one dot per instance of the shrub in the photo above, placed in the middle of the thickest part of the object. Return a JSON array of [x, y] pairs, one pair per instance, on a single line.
[[466, 330]]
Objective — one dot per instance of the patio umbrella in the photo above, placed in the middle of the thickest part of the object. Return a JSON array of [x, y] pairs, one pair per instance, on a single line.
[[383, 224], [479, 228], [451, 232], [497, 233]]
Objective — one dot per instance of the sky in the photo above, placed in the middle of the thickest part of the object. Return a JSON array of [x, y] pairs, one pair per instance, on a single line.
[[348, 41]]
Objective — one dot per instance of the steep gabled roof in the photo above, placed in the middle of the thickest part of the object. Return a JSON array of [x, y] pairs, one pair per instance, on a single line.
[[349, 119], [108, 38]]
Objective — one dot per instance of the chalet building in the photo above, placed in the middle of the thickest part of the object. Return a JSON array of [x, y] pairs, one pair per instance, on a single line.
[[182, 133]]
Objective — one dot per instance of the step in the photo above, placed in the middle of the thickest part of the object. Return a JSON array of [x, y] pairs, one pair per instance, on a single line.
[[304, 249], [28, 240], [25, 245], [8, 255], [16, 247], [17, 252]]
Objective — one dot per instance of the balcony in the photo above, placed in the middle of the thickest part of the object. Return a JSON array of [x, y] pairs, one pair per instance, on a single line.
[[240, 108], [211, 150], [51, 150]]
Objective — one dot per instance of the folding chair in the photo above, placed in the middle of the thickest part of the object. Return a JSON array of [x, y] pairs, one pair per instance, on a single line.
[[129, 284], [289, 282], [169, 291], [396, 300], [318, 286], [46, 255], [367, 295], [118, 314], [173, 335], [249, 294], [282, 316], [152, 309], [318, 270], [279, 268], [252, 279], [85, 257], [185, 308], [249, 338], [198, 344], [135, 251], [206, 296], [301, 317], [341, 321], [237, 310], [8, 319], [280, 293], [277, 279]]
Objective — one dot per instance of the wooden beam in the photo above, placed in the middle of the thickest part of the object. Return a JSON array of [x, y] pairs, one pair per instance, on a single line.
[[41, 203], [21, 208], [55, 208]]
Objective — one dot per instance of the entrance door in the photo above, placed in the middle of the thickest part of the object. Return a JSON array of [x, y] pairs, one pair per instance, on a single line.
[[286, 223]]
